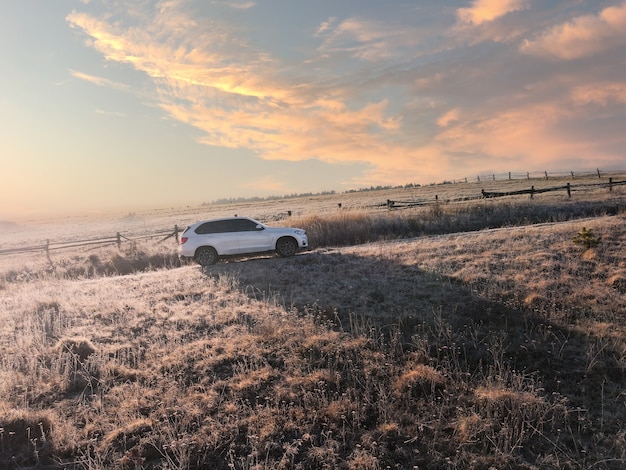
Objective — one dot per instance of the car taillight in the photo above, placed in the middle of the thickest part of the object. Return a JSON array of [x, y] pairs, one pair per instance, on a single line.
[[183, 240]]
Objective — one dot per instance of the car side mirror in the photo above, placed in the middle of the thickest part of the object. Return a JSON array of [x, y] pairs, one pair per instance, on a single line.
[[259, 227]]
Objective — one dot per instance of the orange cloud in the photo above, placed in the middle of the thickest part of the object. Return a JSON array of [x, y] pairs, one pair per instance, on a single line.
[[531, 135], [600, 93], [484, 11], [448, 117], [99, 81], [582, 36], [170, 58]]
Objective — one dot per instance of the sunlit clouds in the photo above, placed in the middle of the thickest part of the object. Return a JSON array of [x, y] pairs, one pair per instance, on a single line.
[[603, 94], [482, 11], [582, 36], [369, 90], [99, 81]]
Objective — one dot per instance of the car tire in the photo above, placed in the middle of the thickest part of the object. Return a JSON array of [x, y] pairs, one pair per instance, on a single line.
[[286, 246], [206, 256]]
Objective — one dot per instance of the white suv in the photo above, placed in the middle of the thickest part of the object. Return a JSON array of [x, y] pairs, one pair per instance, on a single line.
[[207, 241]]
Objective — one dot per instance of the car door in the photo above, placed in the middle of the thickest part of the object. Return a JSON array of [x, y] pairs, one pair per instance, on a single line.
[[253, 238], [221, 235]]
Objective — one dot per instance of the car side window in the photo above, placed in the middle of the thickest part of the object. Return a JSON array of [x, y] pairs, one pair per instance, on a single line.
[[206, 228], [226, 226], [244, 225], [216, 226]]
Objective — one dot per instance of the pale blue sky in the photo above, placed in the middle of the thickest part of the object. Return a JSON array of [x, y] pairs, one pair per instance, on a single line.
[[110, 105]]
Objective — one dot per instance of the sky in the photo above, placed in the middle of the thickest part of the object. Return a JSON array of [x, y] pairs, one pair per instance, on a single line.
[[111, 105]]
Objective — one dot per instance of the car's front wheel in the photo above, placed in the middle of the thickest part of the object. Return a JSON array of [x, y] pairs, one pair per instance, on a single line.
[[286, 246], [206, 256]]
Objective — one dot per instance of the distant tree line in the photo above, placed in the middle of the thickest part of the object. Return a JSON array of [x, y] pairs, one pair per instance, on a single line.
[[380, 187], [235, 200]]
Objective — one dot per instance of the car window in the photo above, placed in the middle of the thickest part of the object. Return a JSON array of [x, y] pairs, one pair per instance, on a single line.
[[225, 226], [244, 225], [207, 227], [216, 226]]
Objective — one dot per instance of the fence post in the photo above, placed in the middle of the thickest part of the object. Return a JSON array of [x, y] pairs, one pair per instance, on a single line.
[[48, 251], [611, 184], [479, 178], [573, 177], [527, 175], [176, 234], [532, 191], [546, 175], [509, 176], [598, 170], [494, 176], [119, 240], [569, 190]]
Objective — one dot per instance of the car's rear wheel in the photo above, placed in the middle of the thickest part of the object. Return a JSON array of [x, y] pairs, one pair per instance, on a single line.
[[286, 246], [206, 256]]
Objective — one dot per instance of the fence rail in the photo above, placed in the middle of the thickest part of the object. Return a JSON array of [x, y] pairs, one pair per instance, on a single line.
[[395, 204], [118, 239], [545, 175]]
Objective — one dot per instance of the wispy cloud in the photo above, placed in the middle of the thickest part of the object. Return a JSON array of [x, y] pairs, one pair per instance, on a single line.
[[241, 5], [483, 11], [367, 39], [448, 117], [110, 113], [326, 25], [581, 36], [100, 81], [602, 94]]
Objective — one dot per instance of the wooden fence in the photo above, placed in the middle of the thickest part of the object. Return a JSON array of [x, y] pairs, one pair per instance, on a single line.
[[118, 239], [393, 204], [535, 175]]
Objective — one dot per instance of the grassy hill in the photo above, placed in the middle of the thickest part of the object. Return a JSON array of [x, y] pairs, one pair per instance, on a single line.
[[478, 334]]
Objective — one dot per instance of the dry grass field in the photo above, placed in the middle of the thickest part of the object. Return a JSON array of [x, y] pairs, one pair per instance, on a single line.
[[482, 334]]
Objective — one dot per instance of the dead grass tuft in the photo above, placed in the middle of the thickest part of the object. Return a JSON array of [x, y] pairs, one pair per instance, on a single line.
[[534, 300], [125, 438], [617, 282], [78, 347], [25, 437], [469, 427], [420, 380]]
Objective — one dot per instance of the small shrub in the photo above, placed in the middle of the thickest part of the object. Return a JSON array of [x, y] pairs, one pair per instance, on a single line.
[[587, 238], [122, 265]]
